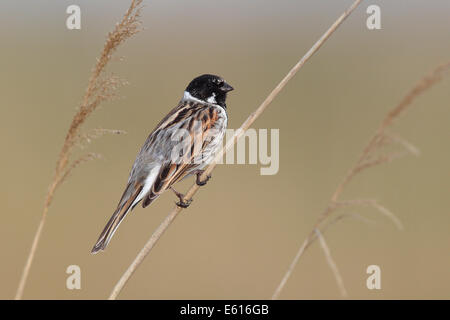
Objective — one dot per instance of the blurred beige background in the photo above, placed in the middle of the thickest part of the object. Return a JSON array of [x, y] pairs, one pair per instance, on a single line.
[[241, 232]]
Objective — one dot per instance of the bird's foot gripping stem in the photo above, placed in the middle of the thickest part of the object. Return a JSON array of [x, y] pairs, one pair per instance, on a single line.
[[198, 181], [181, 203]]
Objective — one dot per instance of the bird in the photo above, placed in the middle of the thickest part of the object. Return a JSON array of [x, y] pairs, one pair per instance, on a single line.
[[182, 144]]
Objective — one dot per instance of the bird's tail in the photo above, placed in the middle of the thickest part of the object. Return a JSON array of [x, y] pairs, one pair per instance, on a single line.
[[115, 220]]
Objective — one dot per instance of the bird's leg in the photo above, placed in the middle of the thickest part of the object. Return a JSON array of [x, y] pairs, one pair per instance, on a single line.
[[198, 181], [182, 204]]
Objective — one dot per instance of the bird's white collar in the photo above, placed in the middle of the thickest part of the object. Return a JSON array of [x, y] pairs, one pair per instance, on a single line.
[[211, 100]]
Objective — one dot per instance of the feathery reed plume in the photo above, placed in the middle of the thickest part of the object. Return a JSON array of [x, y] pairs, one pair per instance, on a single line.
[[247, 123], [100, 88], [369, 157]]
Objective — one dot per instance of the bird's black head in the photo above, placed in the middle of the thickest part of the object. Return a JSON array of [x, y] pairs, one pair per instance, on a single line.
[[209, 88]]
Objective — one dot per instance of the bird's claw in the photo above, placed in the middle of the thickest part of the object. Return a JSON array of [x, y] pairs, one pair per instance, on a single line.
[[199, 182], [183, 204]]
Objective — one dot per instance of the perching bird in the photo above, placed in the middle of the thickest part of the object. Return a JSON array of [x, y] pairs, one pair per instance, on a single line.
[[183, 143]]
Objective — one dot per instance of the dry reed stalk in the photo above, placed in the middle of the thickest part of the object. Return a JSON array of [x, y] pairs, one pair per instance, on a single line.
[[331, 263], [100, 88], [247, 123], [368, 159]]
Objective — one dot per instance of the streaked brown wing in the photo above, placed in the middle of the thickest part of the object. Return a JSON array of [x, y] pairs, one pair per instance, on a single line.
[[199, 122]]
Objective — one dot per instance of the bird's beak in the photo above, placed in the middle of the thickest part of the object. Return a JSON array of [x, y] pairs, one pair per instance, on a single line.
[[226, 87]]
